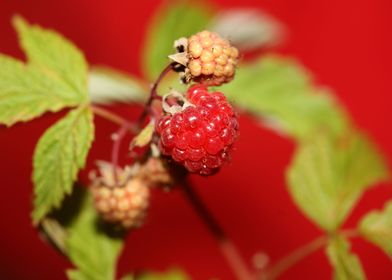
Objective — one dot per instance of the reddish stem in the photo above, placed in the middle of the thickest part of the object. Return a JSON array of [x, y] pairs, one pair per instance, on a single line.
[[114, 118], [118, 137], [293, 258], [153, 95]]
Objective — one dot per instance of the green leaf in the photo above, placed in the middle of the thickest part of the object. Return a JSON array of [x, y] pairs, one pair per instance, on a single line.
[[376, 227], [55, 76], [144, 137], [59, 154], [346, 264], [178, 19], [26, 92], [281, 93], [90, 248], [77, 275], [54, 54], [328, 176], [173, 274], [55, 233], [107, 86]]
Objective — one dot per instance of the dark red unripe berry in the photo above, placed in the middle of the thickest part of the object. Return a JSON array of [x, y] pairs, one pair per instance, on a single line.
[[201, 136]]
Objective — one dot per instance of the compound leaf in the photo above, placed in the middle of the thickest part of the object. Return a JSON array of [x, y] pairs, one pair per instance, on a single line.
[[376, 227], [328, 175], [54, 54], [91, 249], [26, 92], [346, 264], [280, 92], [58, 156]]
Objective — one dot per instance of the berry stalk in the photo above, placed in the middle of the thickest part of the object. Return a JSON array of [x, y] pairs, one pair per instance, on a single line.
[[228, 249], [117, 139], [300, 253], [153, 95], [294, 257], [114, 118]]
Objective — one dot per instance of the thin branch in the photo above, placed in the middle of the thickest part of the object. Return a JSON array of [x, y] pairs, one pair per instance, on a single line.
[[153, 94], [350, 233], [228, 249], [117, 139], [114, 118], [294, 257]]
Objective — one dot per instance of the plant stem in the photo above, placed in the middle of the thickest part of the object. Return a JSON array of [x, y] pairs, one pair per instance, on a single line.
[[350, 233], [299, 254], [153, 94], [114, 118], [118, 137], [294, 257], [229, 251]]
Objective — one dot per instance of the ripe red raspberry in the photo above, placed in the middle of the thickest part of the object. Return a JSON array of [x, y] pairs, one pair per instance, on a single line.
[[208, 58], [202, 135], [124, 205]]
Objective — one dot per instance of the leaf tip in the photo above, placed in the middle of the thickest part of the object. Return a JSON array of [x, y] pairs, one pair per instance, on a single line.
[[36, 217], [19, 22]]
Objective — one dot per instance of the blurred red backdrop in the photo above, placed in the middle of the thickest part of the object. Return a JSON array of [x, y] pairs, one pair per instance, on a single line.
[[345, 43]]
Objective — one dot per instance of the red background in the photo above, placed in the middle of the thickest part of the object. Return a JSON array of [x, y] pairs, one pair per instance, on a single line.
[[345, 43]]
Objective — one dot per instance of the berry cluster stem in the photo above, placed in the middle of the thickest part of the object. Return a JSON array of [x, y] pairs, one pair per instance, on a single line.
[[153, 95], [114, 118], [228, 249], [117, 139], [302, 252], [293, 258]]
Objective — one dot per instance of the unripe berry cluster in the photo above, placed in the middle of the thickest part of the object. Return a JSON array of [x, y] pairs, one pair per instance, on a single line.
[[205, 58], [123, 205], [201, 136], [156, 172], [212, 60]]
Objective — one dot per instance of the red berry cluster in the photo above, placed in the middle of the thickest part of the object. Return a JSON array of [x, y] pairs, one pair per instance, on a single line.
[[201, 136]]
